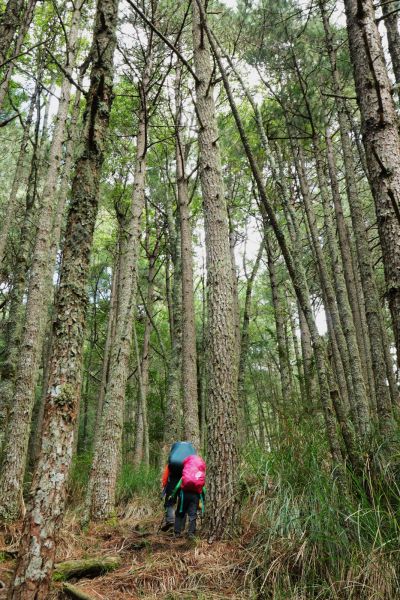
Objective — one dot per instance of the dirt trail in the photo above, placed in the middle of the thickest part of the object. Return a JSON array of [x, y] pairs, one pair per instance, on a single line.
[[154, 564]]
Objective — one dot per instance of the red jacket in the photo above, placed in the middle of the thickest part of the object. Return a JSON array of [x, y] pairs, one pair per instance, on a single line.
[[165, 475]]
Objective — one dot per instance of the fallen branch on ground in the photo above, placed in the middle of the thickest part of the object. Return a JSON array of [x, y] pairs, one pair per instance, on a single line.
[[74, 592], [90, 567]]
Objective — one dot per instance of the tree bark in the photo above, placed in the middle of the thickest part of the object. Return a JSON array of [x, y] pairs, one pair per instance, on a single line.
[[27, 19], [174, 402], [189, 354], [17, 435], [382, 146], [63, 191], [17, 309], [42, 522], [390, 11], [9, 22], [371, 296], [108, 452], [110, 335], [355, 296], [141, 451], [19, 176], [294, 267], [345, 314], [223, 359], [279, 318], [328, 291], [245, 341]]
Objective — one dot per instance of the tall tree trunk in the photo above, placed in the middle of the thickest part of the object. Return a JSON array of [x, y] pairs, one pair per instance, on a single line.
[[110, 335], [381, 140], [202, 371], [295, 342], [360, 422], [17, 435], [189, 355], [108, 452], [17, 309], [350, 267], [390, 11], [141, 451], [279, 317], [293, 265], [345, 314], [245, 341], [223, 359], [9, 22], [310, 385], [19, 175], [232, 244], [43, 520], [371, 296], [63, 191], [174, 403], [27, 19]]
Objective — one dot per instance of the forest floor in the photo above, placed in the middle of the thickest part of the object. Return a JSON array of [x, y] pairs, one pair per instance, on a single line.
[[154, 565]]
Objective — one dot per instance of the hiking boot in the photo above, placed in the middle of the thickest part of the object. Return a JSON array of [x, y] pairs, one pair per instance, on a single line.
[[177, 534], [166, 526], [191, 536]]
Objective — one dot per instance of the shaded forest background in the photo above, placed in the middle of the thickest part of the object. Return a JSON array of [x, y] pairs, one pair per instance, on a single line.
[[228, 272]]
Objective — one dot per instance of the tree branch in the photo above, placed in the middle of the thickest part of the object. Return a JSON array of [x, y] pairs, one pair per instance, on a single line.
[[163, 38]]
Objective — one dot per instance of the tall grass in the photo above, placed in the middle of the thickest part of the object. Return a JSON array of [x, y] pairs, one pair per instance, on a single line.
[[313, 540], [137, 481], [132, 481]]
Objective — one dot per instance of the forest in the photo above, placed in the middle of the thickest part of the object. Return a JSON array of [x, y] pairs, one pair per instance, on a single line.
[[200, 242]]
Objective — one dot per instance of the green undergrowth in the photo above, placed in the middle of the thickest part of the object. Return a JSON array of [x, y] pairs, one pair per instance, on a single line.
[[132, 481], [314, 540], [137, 481]]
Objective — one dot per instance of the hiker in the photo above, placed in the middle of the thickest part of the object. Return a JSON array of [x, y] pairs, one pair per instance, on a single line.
[[190, 493], [183, 480], [171, 476]]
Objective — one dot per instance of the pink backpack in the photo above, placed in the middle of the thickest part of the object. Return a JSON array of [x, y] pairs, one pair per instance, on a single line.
[[193, 474]]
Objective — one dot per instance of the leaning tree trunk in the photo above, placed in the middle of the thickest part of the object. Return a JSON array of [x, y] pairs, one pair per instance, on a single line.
[[373, 310], [350, 271], [43, 520], [293, 265], [223, 359], [17, 434], [279, 318], [381, 141], [345, 314]]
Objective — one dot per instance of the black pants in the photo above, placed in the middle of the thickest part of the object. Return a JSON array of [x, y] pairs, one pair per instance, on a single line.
[[188, 504], [170, 502]]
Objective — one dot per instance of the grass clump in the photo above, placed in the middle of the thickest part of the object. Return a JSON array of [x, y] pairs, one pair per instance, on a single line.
[[314, 540], [137, 481]]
